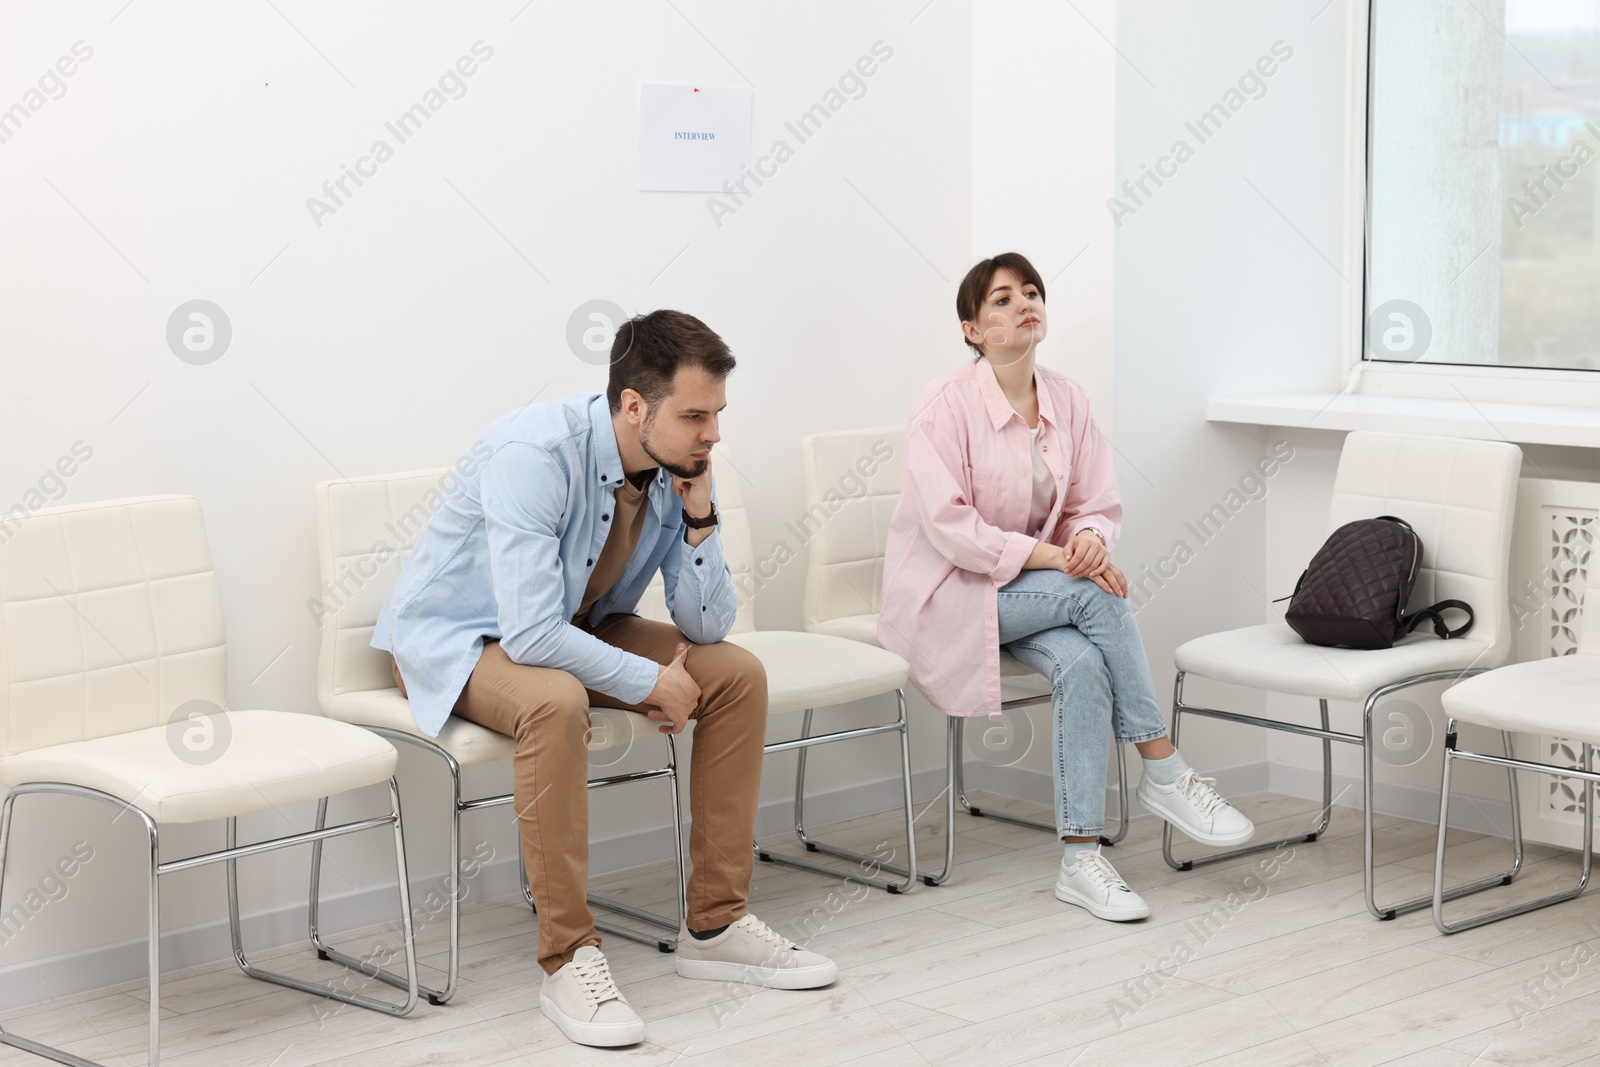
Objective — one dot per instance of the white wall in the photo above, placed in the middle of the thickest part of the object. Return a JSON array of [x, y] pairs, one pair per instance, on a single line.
[[178, 165], [1224, 286], [1043, 147]]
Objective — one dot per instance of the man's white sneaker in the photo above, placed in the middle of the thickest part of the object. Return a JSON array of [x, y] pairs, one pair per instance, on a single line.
[[584, 1002], [751, 951], [1198, 810], [1094, 884]]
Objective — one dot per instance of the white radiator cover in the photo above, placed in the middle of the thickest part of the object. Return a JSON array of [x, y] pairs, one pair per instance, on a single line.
[[1551, 547]]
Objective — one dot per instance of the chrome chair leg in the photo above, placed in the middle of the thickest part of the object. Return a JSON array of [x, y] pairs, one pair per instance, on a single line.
[[961, 774], [325, 951], [955, 789], [365, 967], [1122, 798], [153, 933], [1385, 912], [458, 808], [868, 865], [1512, 764], [800, 783], [595, 900], [1039, 824], [152, 919], [662, 944], [229, 856], [952, 768], [677, 838], [1327, 735], [1366, 741]]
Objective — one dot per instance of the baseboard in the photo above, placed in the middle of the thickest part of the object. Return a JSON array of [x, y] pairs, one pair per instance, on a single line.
[[1390, 798], [1482, 816], [1026, 783], [102, 966]]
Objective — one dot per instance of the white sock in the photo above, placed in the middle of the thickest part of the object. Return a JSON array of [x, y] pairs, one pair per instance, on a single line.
[[1074, 848], [1165, 771]]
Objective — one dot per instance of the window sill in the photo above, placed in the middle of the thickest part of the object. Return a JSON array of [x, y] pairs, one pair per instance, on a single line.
[[1532, 424]]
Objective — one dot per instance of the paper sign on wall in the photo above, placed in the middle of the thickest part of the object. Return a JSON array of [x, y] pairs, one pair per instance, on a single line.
[[692, 138]]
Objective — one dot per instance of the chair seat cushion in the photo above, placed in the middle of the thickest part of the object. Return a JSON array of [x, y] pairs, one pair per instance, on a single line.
[[812, 670], [1558, 697], [1011, 667], [468, 742], [864, 628], [268, 759], [1275, 658]]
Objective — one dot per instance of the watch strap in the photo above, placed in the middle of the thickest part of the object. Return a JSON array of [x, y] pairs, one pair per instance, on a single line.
[[701, 524]]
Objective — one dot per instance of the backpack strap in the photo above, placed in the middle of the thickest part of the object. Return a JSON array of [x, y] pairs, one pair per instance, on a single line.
[[1297, 586], [1434, 612]]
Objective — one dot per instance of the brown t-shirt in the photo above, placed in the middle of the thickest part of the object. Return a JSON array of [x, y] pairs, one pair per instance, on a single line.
[[627, 519]]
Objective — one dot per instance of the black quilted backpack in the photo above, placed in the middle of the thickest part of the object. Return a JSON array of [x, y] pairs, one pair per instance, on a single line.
[[1354, 593]]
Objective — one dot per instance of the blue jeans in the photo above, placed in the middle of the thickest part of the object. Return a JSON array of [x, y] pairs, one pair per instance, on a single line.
[[1085, 641]]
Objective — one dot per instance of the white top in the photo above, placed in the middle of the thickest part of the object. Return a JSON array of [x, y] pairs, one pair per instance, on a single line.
[[1044, 489]]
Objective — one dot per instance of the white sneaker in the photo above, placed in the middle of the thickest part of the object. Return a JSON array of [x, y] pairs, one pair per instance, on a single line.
[[1094, 884], [584, 1002], [751, 951], [1198, 810]]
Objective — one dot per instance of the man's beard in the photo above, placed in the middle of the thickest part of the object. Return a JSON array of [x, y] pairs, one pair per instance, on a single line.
[[678, 469]]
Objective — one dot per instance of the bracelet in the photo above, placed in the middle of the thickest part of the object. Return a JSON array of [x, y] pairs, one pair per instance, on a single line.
[[1097, 533]]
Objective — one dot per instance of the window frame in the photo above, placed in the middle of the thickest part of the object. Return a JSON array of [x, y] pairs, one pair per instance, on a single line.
[[1556, 386]]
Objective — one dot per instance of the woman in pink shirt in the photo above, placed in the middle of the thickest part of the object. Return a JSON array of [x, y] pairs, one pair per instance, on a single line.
[[1008, 512]]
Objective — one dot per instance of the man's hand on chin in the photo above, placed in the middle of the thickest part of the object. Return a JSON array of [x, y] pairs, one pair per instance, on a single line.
[[695, 496]]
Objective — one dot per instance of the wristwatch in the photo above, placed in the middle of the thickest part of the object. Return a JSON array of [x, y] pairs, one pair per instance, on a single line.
[[1097, 533], [701, 524]]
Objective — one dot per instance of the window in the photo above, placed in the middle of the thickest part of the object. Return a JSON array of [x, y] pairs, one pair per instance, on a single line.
[[1483, 144]]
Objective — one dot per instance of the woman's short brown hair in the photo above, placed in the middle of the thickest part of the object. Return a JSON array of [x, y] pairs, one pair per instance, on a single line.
[[649, 349], [975, 286]]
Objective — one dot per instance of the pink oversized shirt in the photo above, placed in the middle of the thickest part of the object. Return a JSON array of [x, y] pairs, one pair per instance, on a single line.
[[966, 488]]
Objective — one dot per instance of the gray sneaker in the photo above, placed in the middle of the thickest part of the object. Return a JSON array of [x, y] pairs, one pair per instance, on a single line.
[[751, 951], [585, 1003]]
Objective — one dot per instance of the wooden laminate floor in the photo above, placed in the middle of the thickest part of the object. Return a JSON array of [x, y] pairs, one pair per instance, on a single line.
[[1270, 959]]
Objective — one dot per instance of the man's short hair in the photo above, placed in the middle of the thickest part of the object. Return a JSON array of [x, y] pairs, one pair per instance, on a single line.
[[649, 349]]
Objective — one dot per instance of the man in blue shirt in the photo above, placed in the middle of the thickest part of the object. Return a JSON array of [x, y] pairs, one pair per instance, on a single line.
[[515, 611]]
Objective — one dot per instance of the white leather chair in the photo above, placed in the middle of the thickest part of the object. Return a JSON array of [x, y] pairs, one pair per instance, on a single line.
[[114, 663], [806, 671], [844, 591], [1459, 496], [1554, 697], [366, 528]]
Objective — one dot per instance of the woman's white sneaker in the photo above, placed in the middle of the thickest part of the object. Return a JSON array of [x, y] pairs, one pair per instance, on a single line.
[[1094, 884], [584, 1002], [751, 951], [1193, 806]]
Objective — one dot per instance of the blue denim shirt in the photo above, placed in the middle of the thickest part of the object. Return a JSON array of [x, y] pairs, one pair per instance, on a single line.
[[508, 554]]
